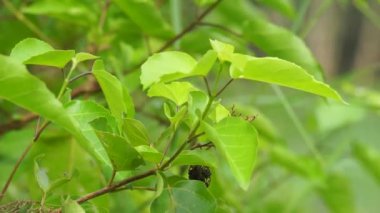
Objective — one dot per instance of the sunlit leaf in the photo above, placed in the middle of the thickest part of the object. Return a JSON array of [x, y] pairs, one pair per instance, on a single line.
[[178, 92], [224, 50], [173, 65], [195, 157], [149, 153], [117, 96], [218, 113], [122, 155], [54, 58], [281, 72], [28, 48], [237, 140], [185, 196], [79, 57]]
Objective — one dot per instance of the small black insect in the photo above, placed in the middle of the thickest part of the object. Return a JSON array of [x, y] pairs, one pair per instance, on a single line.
[[201, 173]]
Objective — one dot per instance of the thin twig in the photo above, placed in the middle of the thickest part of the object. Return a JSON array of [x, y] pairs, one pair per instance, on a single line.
[[79, 76], [112, 177], [207, 86], [199, 146], [103, 15], [224, 87]]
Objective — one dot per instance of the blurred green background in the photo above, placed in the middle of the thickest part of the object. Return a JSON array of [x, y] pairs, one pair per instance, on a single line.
[[342, 39]]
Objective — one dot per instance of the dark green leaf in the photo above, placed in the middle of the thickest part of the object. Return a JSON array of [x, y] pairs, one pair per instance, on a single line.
[[135, 132], [122, 155], [369, 158], [185, 196], [237, 140]]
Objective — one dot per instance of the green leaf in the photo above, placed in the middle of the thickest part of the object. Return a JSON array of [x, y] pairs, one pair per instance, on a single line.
[[336, 192], [33, 95], [40, 174], [135, 131], [185, 196], [279, 42], [369, 159], [237, 140], [195, 157], [224, 50], [150, 154], [54, 58], [161, 64], [218, 113], [174, 65], [281, 72], [178, 92], [28, 48], [37, 52], [85, 112], [71, 206], [146, 16], [117, 96], [80, 57], [122, 155]]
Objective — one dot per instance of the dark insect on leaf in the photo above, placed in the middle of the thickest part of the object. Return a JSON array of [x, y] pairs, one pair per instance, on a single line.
[[201, 173]]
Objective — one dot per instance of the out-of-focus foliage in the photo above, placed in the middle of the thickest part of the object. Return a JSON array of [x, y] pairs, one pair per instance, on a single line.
[[158, 67]]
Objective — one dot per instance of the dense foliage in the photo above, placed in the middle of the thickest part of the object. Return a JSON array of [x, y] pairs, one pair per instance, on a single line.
[[179, 106]]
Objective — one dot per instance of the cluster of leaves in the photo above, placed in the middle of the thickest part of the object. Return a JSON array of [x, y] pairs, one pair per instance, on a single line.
[[104, 144]]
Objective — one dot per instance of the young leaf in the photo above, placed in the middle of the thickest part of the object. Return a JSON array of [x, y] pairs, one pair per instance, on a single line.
[[223, 50], [135, 132], [41, 175], [218, 113], [122, 155], [80, 57], [54, 58], [279, 42], [71, 206], [369, 159], [146, 16], [185, 196], [178, 92], [34, 51], [237, 140], [28, 48], [117, 96], [174, 65], [281, 72]]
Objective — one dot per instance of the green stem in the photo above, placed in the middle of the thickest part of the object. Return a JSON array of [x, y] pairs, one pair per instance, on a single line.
[[175, 10], [293, 117]]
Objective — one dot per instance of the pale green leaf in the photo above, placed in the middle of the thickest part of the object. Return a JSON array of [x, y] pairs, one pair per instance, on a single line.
[[218, 113], [135, 131], [224, 50], [28, 48], [79, 57], [237, 140], [117, 96], [71, 206], [205, 64], [178, 92], [122, 155], [54, 58], [281, 72], [41, 176], [185, 196]]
